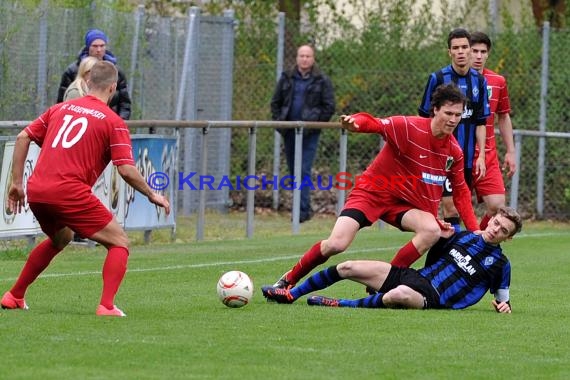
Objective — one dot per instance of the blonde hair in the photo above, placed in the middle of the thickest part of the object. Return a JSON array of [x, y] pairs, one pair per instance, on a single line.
[[103, 75], [80, 83]]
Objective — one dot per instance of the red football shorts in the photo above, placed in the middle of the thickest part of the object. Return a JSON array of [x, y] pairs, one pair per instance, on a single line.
[[85, 217], [378, 205], [492, 183]]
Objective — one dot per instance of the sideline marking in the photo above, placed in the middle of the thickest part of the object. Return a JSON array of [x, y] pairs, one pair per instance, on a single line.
[[194, 266], [265, 260]]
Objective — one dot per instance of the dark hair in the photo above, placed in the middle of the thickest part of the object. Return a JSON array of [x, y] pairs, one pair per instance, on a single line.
[[103, 74], [446, 93], [512, 215], [457, 33], [480, 38]]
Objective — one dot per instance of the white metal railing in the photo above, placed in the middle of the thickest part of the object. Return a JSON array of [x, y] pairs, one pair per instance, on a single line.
[[253, 127]]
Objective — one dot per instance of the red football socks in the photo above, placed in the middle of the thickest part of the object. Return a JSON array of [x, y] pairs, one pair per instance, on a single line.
[[37, 262], [114, 270], [309, 261], [406, 256], [484, 222]]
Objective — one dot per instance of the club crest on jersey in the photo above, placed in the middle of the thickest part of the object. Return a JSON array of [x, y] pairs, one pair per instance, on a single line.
[[489, 91], [448, 163], [475, 92], [489, 260]]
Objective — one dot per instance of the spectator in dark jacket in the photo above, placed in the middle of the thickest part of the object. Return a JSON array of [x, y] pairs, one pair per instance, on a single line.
[[96, 46], [303, 93]]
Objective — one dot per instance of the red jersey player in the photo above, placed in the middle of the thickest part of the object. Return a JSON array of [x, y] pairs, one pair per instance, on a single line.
[[78, 139], [420, 150], [491, 188]]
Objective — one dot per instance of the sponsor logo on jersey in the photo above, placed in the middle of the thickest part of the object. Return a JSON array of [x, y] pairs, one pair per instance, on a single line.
[[433, 179], [463, 261], [489, 91]]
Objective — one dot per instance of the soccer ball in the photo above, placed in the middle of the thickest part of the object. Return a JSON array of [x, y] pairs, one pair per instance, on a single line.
[[235, 289]]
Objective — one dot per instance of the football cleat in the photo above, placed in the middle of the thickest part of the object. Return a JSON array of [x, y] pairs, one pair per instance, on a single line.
[[102, 311], [279, 295], [11, 302], [322, 301]]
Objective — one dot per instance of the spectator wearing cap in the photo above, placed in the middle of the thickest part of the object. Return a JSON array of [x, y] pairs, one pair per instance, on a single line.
[[96, 46]]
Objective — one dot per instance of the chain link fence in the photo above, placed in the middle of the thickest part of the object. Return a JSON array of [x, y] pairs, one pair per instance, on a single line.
[[372, 69]]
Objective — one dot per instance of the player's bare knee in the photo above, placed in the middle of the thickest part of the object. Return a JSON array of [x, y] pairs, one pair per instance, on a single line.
[[391, 298], [399, 296], [345, 269], [430, 233], [334, 246]]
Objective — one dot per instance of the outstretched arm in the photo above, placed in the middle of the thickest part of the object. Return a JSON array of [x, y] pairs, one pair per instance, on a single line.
[[132, 176], [362, 122]]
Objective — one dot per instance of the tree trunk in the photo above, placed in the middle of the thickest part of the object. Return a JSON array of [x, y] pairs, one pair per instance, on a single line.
[[553, 11]]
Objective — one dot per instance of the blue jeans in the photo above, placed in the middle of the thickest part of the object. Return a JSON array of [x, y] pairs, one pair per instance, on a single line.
[[310, 144]]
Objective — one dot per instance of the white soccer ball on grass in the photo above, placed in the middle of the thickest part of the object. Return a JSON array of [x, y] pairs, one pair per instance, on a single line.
[[235, 289]]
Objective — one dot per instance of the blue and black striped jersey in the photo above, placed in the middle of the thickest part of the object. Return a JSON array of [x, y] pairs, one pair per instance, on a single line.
[[463, 268], [474, 87]]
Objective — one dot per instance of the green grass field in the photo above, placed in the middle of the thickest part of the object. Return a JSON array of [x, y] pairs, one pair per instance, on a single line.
[[177, 329]]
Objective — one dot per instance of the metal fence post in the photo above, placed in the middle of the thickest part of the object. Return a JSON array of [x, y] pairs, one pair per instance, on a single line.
[[185, 66], [542, 120], [494, 17], [343, 153], [297, 179], [42, 57], [514, 201], [250, 203], [202, 190], [276, 135], [187, 94], [224, 136], [227, 64], [134, 51]]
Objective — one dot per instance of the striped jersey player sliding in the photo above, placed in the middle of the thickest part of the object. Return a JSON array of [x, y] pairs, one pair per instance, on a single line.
[[458, 272]]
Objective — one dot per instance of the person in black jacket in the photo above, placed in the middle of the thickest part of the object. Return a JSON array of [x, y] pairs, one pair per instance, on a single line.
[[303, 93], [96, 46]]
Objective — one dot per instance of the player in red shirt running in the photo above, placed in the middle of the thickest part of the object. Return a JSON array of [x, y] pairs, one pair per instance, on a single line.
[[491, 188], [420, 150], [78, 139]]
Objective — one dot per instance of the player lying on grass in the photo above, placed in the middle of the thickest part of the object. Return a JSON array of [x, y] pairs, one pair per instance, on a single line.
[[459, 270]]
